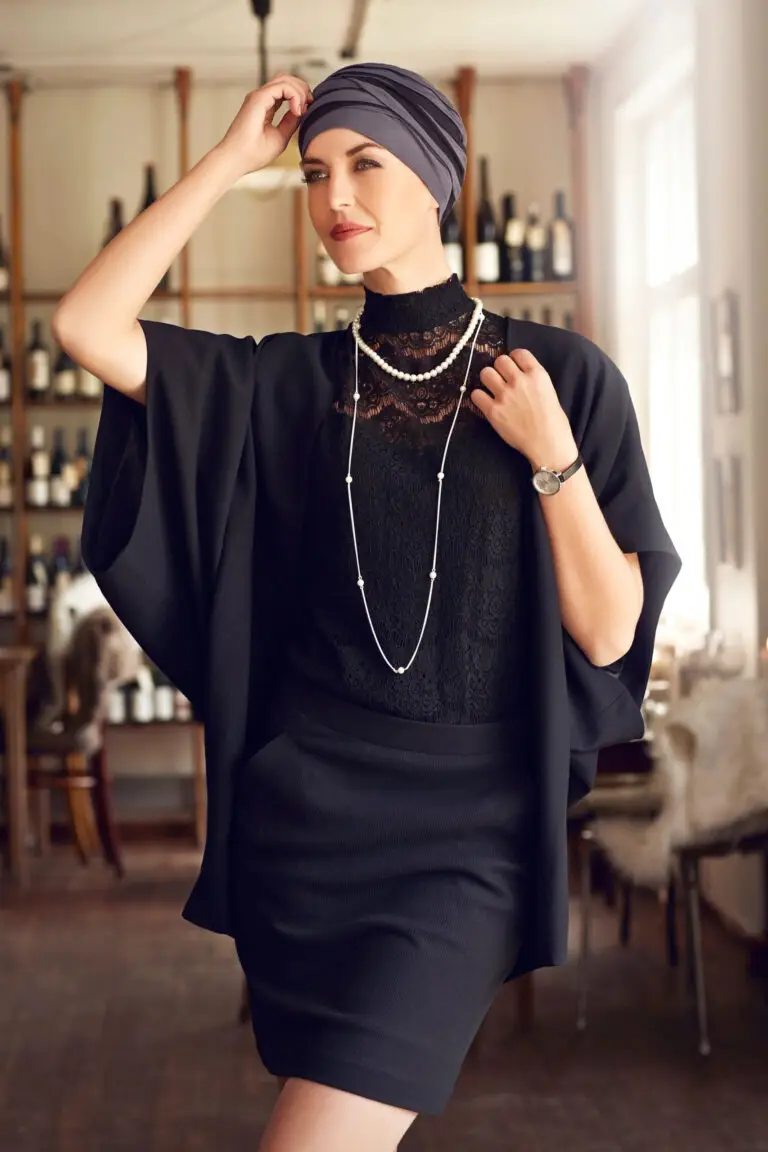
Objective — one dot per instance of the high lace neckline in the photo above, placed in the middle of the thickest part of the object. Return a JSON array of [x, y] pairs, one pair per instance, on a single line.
[[420, 311]]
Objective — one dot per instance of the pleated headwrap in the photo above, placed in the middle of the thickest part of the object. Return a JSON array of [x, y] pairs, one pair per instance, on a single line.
[[402, 112]]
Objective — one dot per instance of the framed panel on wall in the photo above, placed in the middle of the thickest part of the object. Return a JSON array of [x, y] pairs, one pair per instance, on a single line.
[[725, 353]]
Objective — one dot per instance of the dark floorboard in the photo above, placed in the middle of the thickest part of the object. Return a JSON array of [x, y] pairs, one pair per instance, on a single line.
[[118, 1033]]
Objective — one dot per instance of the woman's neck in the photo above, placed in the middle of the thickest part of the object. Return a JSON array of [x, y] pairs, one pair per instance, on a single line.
[[389, 313]]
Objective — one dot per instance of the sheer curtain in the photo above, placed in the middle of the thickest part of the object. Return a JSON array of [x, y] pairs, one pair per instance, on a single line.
[[661, 306]]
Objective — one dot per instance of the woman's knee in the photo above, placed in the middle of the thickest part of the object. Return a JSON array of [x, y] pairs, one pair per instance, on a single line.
[[310, 1117]]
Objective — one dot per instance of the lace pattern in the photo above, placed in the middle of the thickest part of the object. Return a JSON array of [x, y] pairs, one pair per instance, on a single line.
[[468, 669]]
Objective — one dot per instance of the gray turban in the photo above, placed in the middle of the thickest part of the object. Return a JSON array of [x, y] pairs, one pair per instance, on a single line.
[[403, 113]]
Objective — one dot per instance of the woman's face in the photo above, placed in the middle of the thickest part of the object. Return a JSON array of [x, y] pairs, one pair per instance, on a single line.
[[367, 207]]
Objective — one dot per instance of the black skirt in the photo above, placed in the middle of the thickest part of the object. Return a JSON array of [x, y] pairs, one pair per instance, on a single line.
[[380, 878]]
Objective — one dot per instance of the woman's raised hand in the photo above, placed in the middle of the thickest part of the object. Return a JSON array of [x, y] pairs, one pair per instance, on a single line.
[[253, 138]]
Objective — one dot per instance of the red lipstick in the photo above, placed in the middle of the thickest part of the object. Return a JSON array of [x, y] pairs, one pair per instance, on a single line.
[[347, 231]]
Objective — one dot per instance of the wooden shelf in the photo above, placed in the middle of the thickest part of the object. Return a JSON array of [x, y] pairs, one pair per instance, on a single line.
[[132, 725], [244, 292], [63, 405], [48, 508], [545, 288], [51, 296]]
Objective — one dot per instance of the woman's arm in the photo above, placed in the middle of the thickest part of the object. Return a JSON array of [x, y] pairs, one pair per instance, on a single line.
[[600, 587], [96, 321]]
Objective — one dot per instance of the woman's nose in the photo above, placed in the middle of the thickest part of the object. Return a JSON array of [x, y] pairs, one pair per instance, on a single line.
[[339, 191]]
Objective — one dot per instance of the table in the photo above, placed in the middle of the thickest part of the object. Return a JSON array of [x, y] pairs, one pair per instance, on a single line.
[[14, 666]]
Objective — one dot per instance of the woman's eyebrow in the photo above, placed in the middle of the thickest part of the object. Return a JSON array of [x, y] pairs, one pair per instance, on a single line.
[[352, 152]]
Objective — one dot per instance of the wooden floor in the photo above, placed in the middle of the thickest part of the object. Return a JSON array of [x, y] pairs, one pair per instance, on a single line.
[[118, 1033]]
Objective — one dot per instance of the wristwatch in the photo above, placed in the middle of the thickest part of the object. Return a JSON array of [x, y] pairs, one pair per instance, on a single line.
[[547, 482]]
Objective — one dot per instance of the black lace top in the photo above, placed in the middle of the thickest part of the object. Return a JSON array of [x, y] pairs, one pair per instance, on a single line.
[[471, 663]]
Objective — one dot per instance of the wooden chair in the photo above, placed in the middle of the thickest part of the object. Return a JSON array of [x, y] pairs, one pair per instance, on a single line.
[[65, 752]]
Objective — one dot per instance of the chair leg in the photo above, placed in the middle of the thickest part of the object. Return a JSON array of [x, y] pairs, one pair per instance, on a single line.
[[625, 922], [104, 812], [244, 1012], [41, 817], [80, 810], [586, 855], [691, 881], [673, 957]]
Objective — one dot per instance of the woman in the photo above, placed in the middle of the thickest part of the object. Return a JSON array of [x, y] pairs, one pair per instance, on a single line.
[[409, 574]]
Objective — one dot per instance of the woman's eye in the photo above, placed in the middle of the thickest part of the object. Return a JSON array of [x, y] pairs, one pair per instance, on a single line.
[[311, 177], [364, 162]]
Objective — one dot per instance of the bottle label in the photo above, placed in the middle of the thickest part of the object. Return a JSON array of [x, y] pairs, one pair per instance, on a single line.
[[39, 370], [5, 279], [487, 262], [562, 249], [36, 597], [454, 256], [61, 493], [514, 233], [6, 596], [328, 273], [90, 385], [5, 385], [6, 494], [38, 491], [65, 383]]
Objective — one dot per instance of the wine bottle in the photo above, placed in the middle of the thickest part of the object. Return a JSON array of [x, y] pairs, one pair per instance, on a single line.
[[568, 321], [64, 376], [525, 314], [82, 468], [328, 273], [450, 231], [342, 318], [5, 271], [561, 243], [546, 315], [61, 565], [6, 466], [535, 246], [38, 364], [36, 580], [487, 245], [149, 197], [38, 469], [115, 222], [61, 472], [5, 371], [320, 316], [7, 604], [512, 242], [164, 695]]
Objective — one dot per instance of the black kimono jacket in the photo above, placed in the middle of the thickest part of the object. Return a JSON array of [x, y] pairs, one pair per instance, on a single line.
[[192, 529]]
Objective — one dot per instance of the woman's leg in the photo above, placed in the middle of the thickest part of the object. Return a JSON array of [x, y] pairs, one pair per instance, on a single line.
[[311, 1117]]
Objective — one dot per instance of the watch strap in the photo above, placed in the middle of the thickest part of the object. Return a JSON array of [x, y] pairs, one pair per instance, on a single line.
[[570, 470]]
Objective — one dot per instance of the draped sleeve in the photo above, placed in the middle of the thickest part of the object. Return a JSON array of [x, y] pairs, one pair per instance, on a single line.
[[162, 482], [605, 702]]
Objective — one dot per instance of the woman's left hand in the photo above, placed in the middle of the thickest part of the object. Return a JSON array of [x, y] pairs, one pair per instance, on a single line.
[[525, 410]]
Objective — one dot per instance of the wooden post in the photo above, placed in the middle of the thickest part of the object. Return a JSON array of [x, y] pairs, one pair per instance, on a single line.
[[183, 79], [576, 84], [15, 92], [301, 260], [465, 94]]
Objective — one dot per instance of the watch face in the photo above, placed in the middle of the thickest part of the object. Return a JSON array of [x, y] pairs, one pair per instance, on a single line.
[[546, 482]]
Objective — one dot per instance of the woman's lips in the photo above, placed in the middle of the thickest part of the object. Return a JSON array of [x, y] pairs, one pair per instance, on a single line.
[[347, 231]]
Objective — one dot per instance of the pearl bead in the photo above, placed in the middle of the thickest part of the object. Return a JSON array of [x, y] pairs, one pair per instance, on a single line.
[[433, 575], [348, 479], [360, 582], [356, 396], [441, 475], [401, 670]]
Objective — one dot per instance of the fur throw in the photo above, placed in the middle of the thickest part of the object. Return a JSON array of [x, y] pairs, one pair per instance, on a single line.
[[710, 768], [89, 653]]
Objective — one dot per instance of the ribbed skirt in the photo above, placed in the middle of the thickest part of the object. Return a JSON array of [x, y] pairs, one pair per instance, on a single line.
[[380, 879]]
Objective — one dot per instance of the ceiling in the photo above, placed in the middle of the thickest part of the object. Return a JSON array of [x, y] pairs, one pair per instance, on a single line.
[[120, 40]]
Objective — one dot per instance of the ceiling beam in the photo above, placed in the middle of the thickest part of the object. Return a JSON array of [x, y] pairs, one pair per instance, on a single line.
[[357, 19]]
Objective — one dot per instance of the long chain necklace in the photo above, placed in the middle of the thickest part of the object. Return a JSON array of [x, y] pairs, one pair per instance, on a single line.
[[474, 326]]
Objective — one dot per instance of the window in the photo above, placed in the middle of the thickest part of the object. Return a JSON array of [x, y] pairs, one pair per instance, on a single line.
[[657, 254]]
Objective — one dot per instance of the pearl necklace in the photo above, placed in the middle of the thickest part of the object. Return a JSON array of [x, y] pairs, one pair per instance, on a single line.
[[474, 324], [416, 376]]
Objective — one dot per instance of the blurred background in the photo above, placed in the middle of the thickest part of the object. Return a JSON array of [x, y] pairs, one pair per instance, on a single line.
[[617, 183]]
